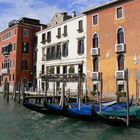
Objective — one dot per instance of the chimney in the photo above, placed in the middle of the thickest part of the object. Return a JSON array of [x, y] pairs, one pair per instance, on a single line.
[[73, 14]]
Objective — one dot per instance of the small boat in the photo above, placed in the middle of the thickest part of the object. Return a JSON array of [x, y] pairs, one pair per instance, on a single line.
[[117, 117], [37, 108]]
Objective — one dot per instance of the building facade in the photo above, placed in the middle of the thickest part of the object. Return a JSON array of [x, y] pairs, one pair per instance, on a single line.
[[16, 48], [62, 51], [113, 46]]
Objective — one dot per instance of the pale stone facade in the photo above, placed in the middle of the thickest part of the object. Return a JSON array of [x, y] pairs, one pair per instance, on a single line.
[[62, 47]]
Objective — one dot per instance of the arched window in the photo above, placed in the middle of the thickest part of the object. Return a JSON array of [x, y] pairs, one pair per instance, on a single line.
[[121, 62], [95, 64], [95, 41], [120, 36], [24, 65]]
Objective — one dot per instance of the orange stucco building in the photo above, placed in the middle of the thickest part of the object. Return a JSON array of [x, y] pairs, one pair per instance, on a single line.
[[113, 46], [16, 49]]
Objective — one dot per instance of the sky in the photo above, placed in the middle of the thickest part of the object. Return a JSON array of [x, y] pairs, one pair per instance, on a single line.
[[44, 10]]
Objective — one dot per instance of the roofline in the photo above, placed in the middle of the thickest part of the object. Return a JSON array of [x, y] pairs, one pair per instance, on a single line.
[[20, 24], [107, 5], [82, 15]]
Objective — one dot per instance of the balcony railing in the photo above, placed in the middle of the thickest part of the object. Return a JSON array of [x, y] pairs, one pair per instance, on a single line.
[[95, 76], [120, 48], [53, 56], [80, 30], [58, 36], [6, 53], [95, 51], [64, 34], [5, 71], [120, 75]]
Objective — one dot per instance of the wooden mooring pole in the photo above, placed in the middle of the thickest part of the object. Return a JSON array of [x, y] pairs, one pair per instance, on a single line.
[[4, 88], [19, 94], [7, 91], [127, 87], [101, 88], [137, 92]]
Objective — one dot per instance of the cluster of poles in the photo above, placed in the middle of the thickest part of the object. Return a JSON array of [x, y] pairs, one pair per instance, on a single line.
[[18, 92]]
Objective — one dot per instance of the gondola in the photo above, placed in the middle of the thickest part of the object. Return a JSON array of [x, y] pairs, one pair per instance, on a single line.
[[84, 111], [117, 119], [37, 108]]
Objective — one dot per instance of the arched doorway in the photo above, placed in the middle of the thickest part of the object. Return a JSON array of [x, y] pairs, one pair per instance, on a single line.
[[24, 81]]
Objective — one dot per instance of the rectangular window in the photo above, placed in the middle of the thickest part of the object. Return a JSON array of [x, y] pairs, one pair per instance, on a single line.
[[59, 33], [80, 26], [58, 52], [80, 46], [26, 32], [43, 37], [42, 69], [13, 77], [65, 49], [64, 69], [95, 88], [48, 36], [119, 12], [14, 46], [53, 53], [65, 31], [25, 48], [80, 68], [95, 20], [9, 77], [48, 53], [58, 70]]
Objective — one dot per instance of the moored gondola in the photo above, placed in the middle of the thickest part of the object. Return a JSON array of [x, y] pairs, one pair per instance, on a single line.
[[116, 120], [37, 108]]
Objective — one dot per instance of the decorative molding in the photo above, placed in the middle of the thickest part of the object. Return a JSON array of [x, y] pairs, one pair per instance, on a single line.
[[107, 54], [135, 59]]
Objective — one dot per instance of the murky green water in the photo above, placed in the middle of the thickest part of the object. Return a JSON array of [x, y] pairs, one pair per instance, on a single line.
[[19, 123]]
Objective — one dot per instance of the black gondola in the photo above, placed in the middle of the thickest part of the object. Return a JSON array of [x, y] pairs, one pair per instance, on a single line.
[[114, 120], [36, 107]]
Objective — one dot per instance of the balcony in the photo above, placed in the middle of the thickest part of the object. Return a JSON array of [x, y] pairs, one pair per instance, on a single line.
[[48, 40], [58, 36], [43, 42], [80, 30], [5, 71], [64, 34], [6, 53], [44, 58], [94, 51], [95, 76], [120, 75], [120, 48], [53, 56]]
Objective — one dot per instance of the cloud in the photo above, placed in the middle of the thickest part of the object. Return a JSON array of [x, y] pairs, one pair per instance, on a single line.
[[82, 5], [41, 9], [15, 9]]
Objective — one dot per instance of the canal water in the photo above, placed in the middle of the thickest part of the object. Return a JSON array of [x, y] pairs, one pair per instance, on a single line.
[[19, 123]]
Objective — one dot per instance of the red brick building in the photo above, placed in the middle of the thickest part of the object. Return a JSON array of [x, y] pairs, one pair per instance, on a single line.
[[16, 49]]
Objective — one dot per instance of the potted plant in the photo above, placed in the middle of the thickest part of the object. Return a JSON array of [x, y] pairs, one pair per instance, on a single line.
[[121, 94], [95, 93]]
